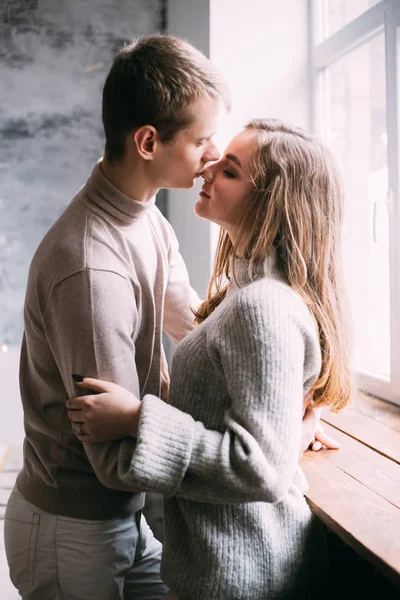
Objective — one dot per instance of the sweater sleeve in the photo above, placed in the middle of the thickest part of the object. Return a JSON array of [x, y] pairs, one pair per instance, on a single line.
[[90, 322], [259, 350], [180, 297]]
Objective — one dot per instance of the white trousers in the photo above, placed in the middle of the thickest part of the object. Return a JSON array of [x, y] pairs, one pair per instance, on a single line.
[[58, 558]]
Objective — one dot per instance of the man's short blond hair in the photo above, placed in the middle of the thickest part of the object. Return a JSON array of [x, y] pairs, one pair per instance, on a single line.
[[154, 81]]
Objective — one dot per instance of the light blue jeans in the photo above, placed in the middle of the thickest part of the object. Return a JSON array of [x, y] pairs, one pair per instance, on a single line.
[[58, 558]]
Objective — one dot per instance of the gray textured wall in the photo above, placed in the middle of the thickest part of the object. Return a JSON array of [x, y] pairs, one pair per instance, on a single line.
[[54, 57]]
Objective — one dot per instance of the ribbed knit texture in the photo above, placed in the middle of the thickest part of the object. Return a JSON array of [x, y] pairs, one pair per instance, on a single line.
[[104, 282], [225, 450]]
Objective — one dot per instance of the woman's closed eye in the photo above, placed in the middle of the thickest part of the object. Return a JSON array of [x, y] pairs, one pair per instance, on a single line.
[[229, 174]]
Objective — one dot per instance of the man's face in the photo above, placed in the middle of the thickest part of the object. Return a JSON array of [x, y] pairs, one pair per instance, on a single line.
[[181, 160]]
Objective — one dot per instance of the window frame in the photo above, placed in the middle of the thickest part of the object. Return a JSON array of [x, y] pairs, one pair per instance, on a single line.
[[382, 18]]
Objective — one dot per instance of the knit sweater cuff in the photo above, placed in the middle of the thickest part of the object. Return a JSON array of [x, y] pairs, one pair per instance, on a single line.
[[163, 448]]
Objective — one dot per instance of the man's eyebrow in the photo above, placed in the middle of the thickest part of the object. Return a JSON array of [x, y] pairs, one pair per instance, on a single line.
[[234, 159]]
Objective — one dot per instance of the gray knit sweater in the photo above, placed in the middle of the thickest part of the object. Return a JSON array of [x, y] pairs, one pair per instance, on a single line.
[[225, 450]]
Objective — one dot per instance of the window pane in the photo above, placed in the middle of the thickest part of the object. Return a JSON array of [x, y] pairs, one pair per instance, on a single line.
[[357, 131], [337, 13]]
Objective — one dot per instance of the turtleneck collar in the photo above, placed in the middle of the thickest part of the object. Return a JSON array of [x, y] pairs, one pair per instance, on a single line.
[[245, 273], [112, 201]]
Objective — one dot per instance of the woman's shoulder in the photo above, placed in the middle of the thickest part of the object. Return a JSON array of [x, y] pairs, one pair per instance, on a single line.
[[273, 300], [269, 292]]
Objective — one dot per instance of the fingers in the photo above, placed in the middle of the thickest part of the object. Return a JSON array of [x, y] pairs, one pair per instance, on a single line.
[[79, 408], [322, 439], [75, 416], [315, 446], [95, 385], [312, 416], [82, 435], [80, 402], [307, 429], [76, 403], [325, 439]]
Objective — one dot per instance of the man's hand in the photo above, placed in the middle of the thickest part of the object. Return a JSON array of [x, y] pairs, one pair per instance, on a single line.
[[321, 438], [313, 435]]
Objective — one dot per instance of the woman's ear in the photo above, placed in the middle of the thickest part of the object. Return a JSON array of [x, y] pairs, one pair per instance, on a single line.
[[146, 139]]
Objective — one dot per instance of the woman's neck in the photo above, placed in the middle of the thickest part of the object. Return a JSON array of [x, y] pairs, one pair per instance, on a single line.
[[239, 245]]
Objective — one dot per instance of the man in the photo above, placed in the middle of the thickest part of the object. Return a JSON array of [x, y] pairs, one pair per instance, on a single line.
[[103, 284]]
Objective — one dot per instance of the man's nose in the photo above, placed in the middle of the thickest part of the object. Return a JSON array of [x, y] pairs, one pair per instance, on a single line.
[[211, 154], [208, 173]]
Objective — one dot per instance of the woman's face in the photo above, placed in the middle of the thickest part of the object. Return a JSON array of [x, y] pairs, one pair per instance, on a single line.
[[228, 189]]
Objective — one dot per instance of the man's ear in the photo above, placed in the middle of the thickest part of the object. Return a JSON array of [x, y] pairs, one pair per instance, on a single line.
[[146, 140]]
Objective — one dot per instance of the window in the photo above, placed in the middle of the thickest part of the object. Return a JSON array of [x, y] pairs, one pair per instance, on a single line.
[[335, 14], [355, 62]]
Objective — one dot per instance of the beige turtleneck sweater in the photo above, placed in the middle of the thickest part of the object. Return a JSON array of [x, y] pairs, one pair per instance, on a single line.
[[103, 284]]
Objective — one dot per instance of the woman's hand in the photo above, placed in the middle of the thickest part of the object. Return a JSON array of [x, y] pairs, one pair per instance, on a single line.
[[110, 414]]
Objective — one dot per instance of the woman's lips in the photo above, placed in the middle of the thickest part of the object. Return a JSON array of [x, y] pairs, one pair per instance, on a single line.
[[203, 194]]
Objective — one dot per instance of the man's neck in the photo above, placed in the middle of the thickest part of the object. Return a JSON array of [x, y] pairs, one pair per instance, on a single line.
[[128, 179]]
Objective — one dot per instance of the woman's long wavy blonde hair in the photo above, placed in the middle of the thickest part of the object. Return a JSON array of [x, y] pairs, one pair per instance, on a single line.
[[296, 209]]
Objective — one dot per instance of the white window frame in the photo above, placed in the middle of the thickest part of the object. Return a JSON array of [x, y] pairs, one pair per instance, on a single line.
[[384, 17]]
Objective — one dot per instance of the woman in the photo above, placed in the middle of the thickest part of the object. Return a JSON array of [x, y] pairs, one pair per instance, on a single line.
[[224, 450]]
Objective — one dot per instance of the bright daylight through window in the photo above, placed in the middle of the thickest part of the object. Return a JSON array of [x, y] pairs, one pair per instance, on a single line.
[[355, 61]]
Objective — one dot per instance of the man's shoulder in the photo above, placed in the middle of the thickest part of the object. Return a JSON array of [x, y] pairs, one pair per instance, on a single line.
[[62, 244], [78, 240]]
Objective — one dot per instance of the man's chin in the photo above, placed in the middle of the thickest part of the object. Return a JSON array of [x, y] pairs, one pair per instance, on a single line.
[[187, 185], [183, 184]]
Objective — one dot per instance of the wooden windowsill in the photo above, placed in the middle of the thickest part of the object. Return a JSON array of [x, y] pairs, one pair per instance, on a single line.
[[355, 491]]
